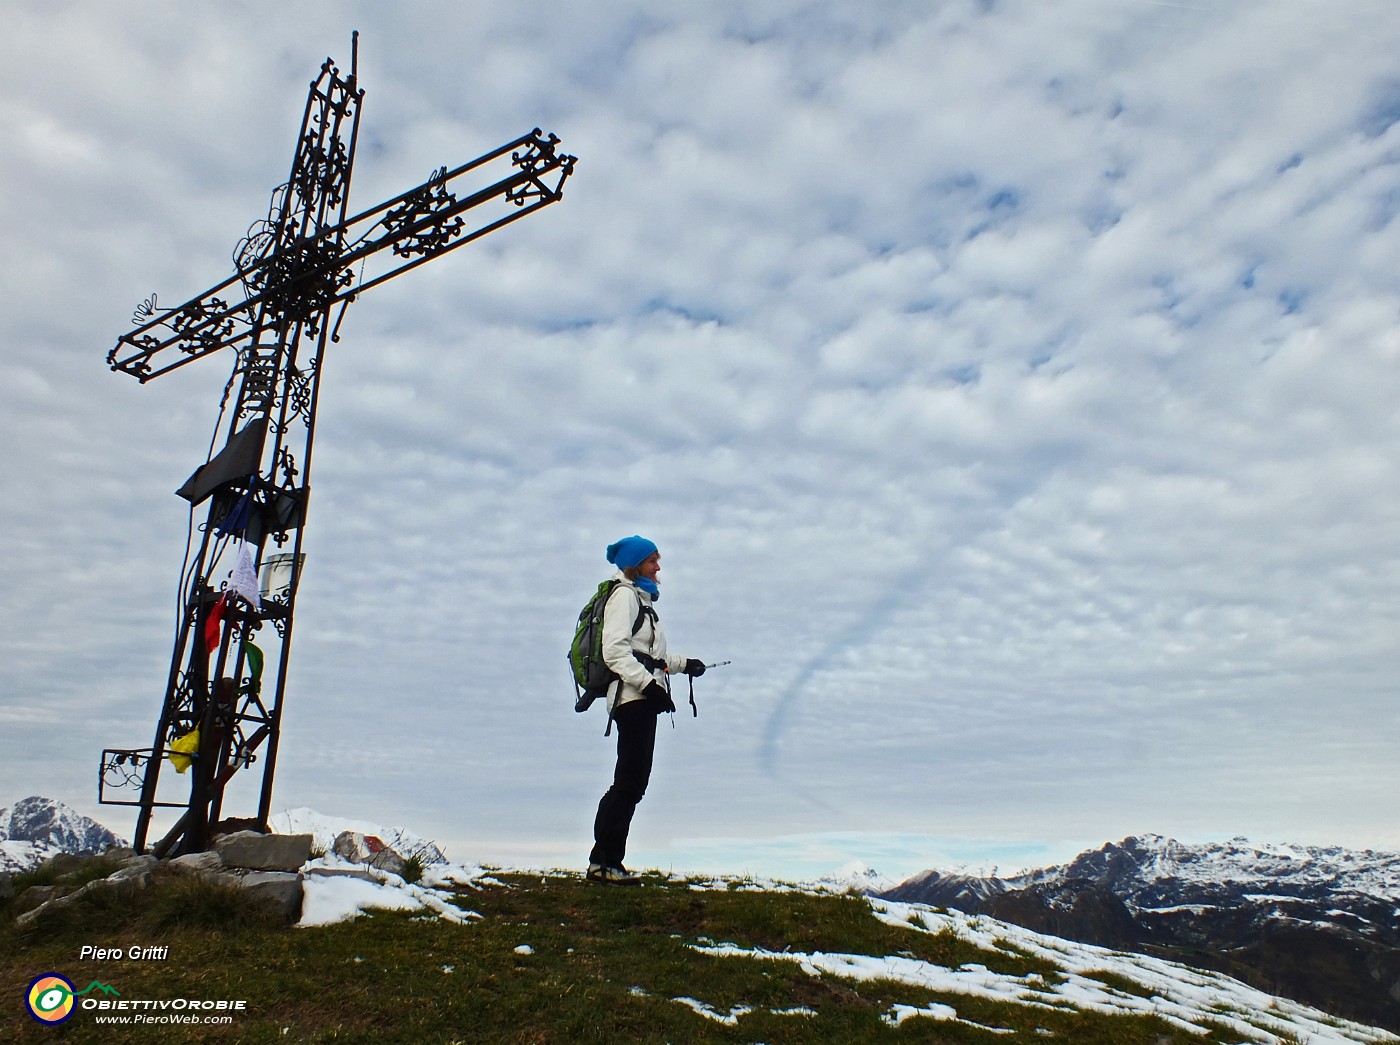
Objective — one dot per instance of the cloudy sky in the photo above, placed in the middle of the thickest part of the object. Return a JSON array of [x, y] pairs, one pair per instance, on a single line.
[[1009, 386]]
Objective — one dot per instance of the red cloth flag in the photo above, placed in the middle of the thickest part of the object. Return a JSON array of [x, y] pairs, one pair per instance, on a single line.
[[211, 625]]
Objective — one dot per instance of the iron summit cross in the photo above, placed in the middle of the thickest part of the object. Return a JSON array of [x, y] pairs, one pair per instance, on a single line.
[[295, 273]]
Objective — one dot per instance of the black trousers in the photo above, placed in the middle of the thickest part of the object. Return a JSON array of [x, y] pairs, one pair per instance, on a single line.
[[636, 742]]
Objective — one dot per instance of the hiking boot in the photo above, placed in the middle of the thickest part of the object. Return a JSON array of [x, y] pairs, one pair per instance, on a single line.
[[611, 875]]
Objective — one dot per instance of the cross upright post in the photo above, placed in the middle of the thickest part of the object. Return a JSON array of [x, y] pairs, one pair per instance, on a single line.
[[295, 273]]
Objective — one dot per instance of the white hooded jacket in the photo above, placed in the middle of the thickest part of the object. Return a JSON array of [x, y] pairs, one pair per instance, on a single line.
[[619, 644]]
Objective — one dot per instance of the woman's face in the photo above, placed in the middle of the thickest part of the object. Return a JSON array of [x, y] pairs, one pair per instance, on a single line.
[[650, 566]]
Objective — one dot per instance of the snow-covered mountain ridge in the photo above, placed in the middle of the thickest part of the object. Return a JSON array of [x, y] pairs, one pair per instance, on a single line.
[[1153, 875], [1321, 924], [1151, 867], [1148, 869]]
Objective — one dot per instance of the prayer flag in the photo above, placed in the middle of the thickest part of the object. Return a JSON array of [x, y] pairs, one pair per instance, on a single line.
[[254, 657], [236, 521], [245, 576], [211, 624], [183, 748]]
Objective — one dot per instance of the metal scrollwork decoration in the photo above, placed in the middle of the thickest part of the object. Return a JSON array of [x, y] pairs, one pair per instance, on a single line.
[[145, 311], [299, 394], [540, 156], [422, 224], [122, 771], [261, 238]]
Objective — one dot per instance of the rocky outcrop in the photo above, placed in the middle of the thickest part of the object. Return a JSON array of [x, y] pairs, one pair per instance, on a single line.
[[270, 867], [133, 873]]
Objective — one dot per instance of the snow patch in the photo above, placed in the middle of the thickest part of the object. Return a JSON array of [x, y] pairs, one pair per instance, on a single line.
[[729, 1018]]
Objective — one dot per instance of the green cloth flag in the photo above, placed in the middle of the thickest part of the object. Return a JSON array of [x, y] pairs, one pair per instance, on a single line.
[[255, 664]]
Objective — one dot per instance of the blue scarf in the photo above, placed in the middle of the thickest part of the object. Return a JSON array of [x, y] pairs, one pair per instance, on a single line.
[[649, 586]]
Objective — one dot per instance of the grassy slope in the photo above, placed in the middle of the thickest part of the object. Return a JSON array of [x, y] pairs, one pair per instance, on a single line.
[[605, 965]]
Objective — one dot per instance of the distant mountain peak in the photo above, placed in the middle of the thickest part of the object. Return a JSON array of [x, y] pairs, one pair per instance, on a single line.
[[858, 876], [35, 828]]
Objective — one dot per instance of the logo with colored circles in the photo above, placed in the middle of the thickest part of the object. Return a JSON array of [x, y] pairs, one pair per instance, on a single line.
[[50, 998]]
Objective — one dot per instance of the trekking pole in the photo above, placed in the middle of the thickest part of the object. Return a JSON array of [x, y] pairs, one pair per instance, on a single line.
[[694, 711]]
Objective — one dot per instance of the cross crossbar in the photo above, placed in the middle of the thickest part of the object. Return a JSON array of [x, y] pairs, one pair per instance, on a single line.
[[421, 224]]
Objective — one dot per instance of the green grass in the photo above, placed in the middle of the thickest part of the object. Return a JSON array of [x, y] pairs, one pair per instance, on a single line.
[[604, 965], [86, 870], [1121, 984]]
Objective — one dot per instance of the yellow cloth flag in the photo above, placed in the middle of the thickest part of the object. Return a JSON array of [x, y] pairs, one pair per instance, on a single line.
[[184, 747]]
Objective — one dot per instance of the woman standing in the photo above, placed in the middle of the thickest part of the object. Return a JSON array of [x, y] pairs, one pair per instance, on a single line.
[[634, 648]]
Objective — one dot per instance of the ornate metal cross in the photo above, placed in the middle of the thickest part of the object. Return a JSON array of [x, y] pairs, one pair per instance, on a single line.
[[295, 273]]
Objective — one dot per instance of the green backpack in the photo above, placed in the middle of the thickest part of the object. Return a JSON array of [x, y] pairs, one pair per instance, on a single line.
[[591, 675]]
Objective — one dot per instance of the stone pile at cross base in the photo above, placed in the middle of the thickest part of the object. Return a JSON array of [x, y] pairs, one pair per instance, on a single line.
[[270, 867]]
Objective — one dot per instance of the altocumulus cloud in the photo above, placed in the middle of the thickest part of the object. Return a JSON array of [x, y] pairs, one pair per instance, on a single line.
[[1009, 387]]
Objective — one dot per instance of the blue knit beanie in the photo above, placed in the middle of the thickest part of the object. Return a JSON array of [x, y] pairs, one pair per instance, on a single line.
[[630, 551]]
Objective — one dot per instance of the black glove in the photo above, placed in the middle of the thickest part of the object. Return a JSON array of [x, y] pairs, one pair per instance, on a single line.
[[658, 698], [694, 668]]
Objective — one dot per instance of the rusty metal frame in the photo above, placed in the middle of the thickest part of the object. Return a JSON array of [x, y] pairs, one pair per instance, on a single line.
[[295, 273]]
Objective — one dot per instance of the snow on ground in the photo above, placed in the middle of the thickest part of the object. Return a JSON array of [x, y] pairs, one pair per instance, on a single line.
[[329, 900], [1179, 995], [336, 890]]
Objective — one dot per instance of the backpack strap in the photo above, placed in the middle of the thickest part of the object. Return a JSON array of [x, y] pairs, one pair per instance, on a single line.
[[643, 612], [648, 661]]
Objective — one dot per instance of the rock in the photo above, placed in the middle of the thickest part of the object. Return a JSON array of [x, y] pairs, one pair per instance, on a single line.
[[7, 885], [36, 896], [207, 863], [282, 889], [136, 867], [62, 863], [259, 852], [342, 872], [233, 824], [369, 850], [122, 885], [356, 847], [390, 861]]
